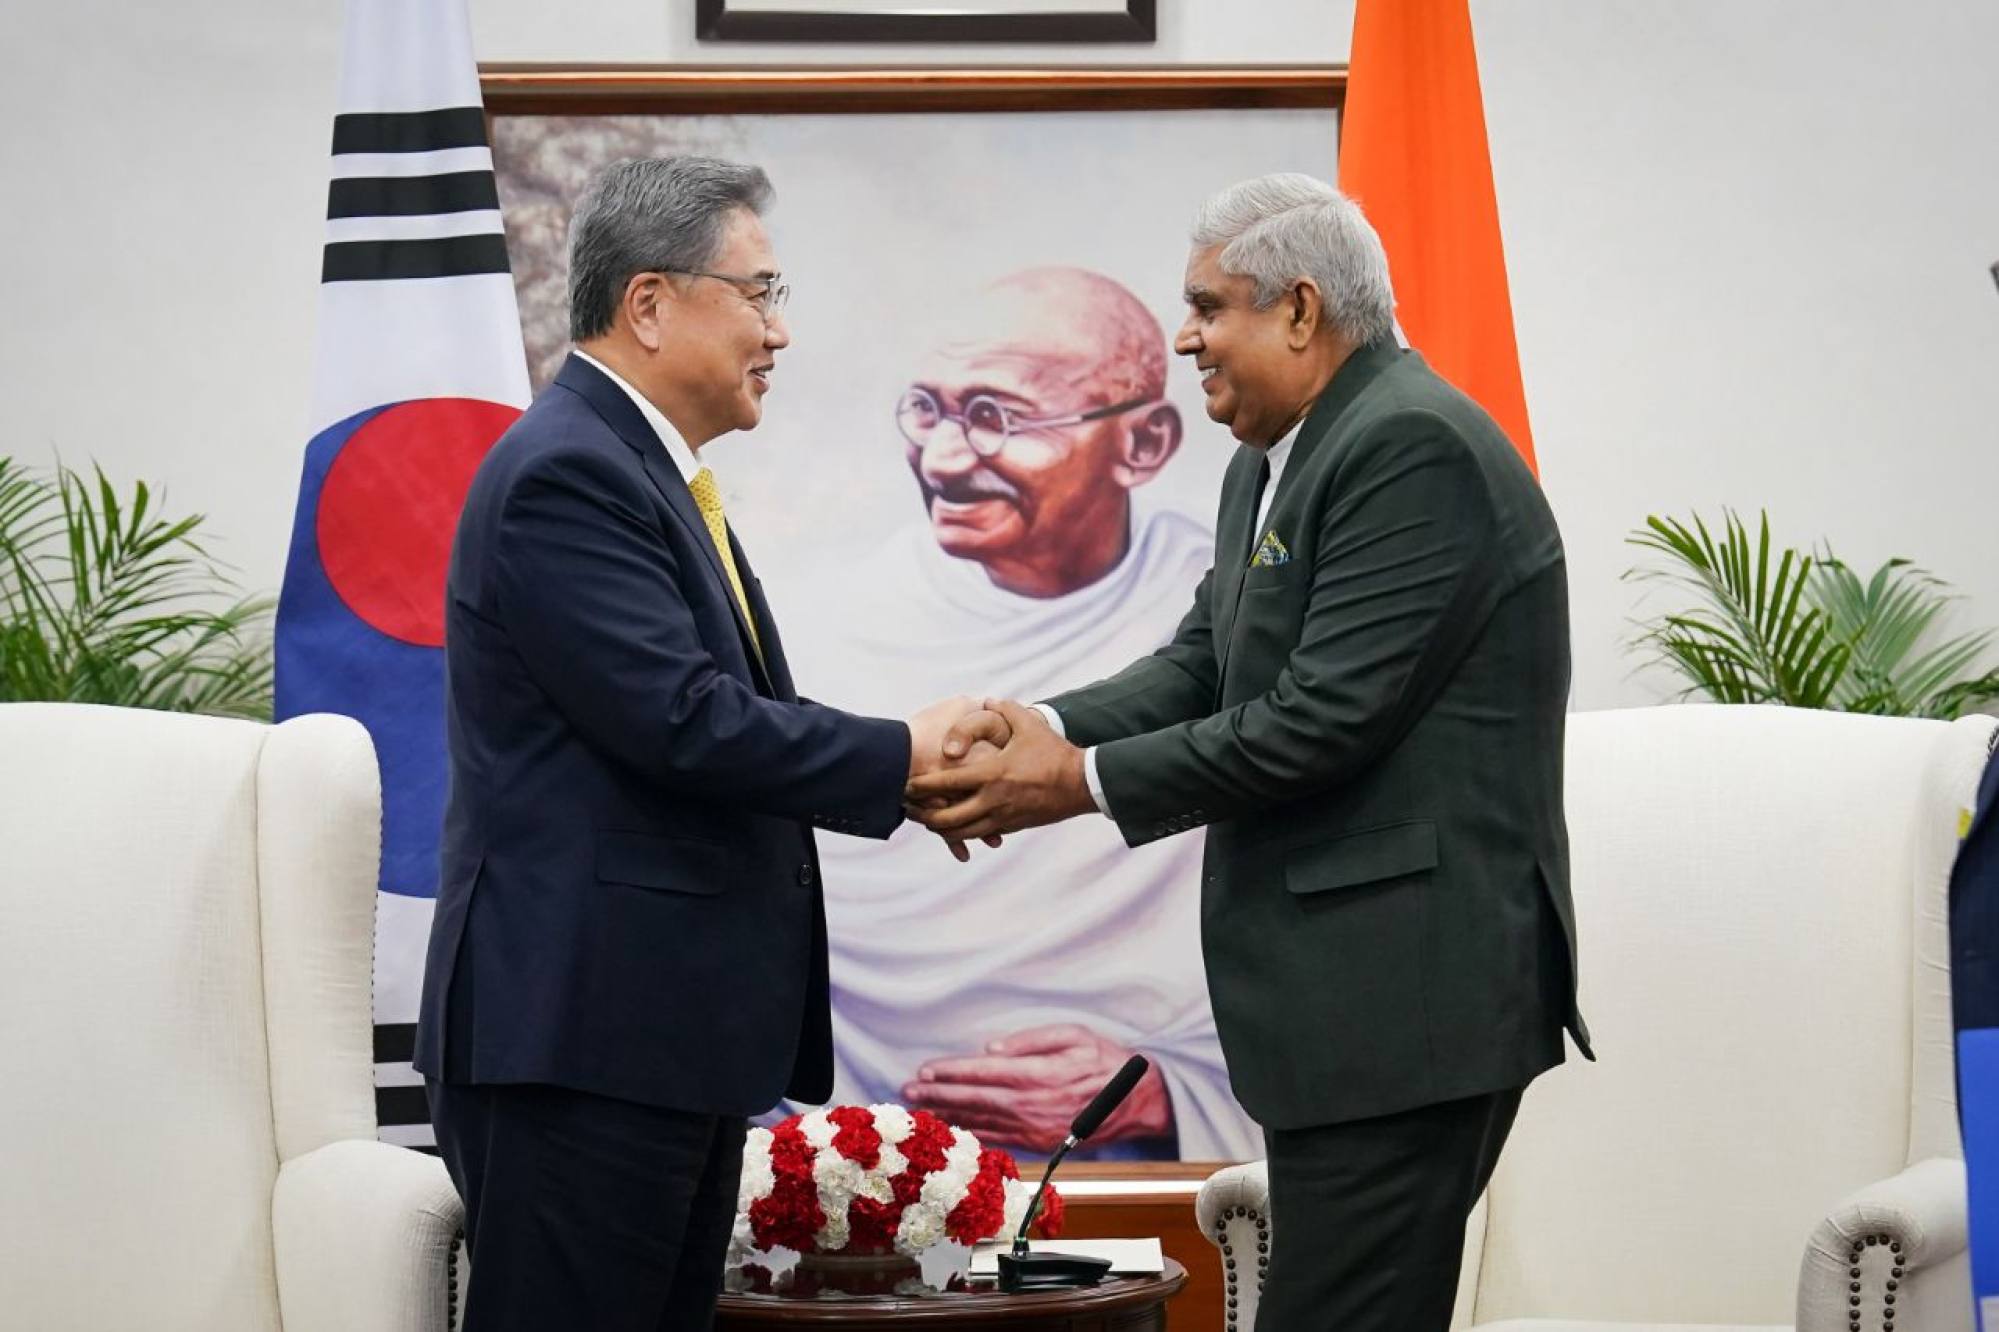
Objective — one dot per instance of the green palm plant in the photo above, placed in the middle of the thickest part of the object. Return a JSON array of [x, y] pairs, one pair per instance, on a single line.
[[1776, 625], [103, 600]]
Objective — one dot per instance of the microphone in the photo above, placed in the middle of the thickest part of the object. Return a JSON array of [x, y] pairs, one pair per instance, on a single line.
[[1020, 1269], [1110, 1098]]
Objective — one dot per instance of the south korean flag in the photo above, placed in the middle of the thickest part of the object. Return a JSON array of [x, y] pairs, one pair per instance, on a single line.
[[419, 368]]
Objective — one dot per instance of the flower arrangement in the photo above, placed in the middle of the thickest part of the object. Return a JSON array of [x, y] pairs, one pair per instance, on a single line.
[[878, 1180]]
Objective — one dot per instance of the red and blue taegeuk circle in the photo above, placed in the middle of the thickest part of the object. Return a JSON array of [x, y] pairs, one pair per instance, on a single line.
[[361, 618]]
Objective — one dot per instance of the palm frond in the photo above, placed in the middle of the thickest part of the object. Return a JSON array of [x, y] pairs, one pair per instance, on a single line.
[[103, 599], [1776, 625], [1755, 638]]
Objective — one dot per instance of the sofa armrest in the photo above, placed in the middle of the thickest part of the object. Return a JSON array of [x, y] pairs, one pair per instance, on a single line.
[[1892, 1254], [364, 1234], [1233, 1211]]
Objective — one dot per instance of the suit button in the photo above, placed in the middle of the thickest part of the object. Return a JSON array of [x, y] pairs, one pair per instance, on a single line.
[[807, 876]]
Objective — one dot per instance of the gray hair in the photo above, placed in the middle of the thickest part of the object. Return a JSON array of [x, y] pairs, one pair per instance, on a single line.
[[1277, 229], [642, 214]]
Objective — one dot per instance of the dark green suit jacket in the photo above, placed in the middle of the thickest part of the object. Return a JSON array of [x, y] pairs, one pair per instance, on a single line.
[[1371, 730]]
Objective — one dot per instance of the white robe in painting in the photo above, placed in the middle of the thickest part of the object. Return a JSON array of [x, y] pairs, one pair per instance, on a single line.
[[1063, 924]]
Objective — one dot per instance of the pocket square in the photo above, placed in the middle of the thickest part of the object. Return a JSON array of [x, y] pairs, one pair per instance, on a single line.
[[1270, 551]]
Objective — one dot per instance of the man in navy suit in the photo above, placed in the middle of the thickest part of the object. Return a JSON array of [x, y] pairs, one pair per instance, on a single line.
[[629, 951]]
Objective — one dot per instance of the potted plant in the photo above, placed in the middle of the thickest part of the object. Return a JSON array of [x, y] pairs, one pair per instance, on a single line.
[[105, 600], [1777, 625]]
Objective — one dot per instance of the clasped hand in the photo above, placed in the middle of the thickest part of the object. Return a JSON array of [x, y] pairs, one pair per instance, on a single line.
[[1000, 767]]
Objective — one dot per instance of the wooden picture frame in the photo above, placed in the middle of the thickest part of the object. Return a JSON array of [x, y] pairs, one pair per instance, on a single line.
[[1119, 1198], [868, 21], [520, 89]]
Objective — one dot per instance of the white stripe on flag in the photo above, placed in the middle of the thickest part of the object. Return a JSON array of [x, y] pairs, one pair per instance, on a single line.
[[397, 1075], [402, 924], [408, 1135], [404, 56], [442, 162], [384, 342], [423, 226]]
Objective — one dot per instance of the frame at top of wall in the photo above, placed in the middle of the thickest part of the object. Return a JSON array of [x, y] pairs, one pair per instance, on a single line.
[[576, 90]]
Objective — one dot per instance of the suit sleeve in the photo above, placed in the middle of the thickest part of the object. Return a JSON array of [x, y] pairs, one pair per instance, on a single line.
[[590, 593], [1406, 575], [1174, 684]]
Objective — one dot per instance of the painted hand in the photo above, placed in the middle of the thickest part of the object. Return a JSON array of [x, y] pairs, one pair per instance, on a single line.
[[1026, 1088]]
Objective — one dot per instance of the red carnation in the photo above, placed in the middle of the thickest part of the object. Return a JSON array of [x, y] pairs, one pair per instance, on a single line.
[[789, 1218], [1048, 1221], [925, 1147], [871, 1226], [858, 1140], [983, 1207]]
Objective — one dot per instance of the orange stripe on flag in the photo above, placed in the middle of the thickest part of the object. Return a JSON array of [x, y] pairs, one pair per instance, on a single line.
[[1413, 154]]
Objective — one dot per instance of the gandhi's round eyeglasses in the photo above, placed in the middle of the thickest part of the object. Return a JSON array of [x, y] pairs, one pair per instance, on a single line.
[[987, 422], [767, 294]]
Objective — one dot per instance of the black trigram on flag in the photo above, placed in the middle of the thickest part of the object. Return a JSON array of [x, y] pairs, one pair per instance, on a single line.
[[412, 196]]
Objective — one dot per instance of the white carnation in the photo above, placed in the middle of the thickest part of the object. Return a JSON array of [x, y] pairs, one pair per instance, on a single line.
[[818, 1130], [832, 1236], [838, 1179], [922, 1226], [949, 1183], [892, 1162], [741, 1241], [964, 1147], [1018, 1194], [758, 1178], [874, 1185], [894, 1123]]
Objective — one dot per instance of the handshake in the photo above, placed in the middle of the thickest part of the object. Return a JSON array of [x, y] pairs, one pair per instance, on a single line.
[[979, 769]]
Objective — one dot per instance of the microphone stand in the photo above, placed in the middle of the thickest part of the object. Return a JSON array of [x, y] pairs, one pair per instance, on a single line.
[[1021, 1269], [1034, 1203]]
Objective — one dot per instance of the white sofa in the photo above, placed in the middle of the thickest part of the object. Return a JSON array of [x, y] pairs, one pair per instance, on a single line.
[[1770, 1137], [187, 1120]]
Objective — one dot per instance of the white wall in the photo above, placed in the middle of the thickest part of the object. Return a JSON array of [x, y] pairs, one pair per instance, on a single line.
[[165, 178], [1209, 32], [1747, 245]]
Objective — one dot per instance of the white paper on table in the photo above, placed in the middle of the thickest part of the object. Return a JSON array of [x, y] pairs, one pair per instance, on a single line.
[[1135, 1256]]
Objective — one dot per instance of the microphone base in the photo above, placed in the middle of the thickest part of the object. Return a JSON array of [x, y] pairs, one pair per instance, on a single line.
[[1024, 1273]]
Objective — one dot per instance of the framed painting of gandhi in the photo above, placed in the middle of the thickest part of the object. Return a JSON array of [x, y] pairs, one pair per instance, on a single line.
[[981, 470]]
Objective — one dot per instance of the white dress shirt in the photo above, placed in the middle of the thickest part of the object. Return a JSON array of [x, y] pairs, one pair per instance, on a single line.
[[676, 447], [1279, 452]]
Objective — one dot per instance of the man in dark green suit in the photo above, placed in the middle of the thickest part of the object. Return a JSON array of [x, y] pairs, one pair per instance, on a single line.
[[1365, 709]]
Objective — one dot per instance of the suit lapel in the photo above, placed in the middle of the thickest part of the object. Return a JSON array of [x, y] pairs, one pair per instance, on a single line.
[[1232, 537], [776, 668], [1233, 532], [623, 416]]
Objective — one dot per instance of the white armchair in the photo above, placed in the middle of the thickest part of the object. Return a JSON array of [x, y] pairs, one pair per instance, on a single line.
[[1762, 900], [187, 1126]]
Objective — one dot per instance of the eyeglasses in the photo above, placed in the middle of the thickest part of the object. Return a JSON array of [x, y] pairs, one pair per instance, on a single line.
[[987, 422], [767, 294]]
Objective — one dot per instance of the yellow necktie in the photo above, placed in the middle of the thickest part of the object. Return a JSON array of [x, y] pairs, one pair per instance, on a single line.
[[708, 499]]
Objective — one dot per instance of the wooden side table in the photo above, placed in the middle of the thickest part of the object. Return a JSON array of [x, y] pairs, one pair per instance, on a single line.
[[1117, 1304]]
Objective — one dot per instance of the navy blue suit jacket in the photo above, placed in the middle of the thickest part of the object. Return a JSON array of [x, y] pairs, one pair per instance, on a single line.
[[630, 901]]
